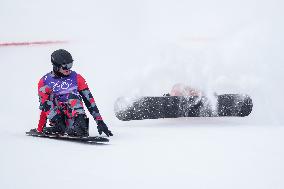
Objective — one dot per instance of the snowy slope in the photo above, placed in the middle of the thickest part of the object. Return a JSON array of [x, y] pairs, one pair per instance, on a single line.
[[132, 47]]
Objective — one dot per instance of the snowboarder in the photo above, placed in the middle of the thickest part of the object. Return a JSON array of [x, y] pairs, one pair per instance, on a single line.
[[61, 95], [180, 89]]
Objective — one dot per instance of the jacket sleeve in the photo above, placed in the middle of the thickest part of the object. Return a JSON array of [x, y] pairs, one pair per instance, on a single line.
[[44, 95], [46, 101], [88, 98], [42, 121]]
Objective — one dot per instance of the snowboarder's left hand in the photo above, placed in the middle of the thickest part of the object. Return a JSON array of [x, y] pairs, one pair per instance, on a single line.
[[102, 128]]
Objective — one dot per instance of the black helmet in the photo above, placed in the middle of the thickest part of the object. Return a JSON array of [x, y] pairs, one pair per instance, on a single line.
[[61, 58]]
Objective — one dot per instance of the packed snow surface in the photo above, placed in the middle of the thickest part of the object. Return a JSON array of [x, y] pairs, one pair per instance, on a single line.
[[134, 48]]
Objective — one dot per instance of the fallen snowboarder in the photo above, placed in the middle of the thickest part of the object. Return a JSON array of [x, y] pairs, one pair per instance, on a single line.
[[183, 101]]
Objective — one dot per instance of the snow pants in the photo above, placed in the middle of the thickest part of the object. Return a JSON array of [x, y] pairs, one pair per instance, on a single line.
[[53, 109]]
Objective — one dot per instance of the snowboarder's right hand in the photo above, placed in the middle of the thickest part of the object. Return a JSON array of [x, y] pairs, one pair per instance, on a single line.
[[102, 128], [34, 130]]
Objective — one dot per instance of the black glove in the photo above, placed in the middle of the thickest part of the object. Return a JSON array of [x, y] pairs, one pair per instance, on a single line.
[[103, 128], [34, 130]]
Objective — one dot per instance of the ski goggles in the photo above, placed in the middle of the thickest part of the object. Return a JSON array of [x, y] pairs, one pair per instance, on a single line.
[[67, 66]]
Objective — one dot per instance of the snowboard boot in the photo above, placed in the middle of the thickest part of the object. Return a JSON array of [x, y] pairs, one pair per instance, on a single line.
[[80, 127], [58, 127]]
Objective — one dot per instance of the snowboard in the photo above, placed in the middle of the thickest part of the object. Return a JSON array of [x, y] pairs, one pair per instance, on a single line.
[[236, 105], [89, 139]]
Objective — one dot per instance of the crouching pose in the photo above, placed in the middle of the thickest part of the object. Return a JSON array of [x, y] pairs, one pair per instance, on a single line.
[[61, 96]]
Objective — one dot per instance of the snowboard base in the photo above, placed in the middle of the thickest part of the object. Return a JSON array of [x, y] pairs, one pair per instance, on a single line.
[[235, 105], [89, 139]]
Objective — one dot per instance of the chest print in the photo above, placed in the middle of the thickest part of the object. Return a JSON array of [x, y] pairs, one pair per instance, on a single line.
[[61, 85]]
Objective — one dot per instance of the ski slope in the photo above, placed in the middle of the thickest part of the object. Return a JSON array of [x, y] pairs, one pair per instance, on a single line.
[[134, 48]]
